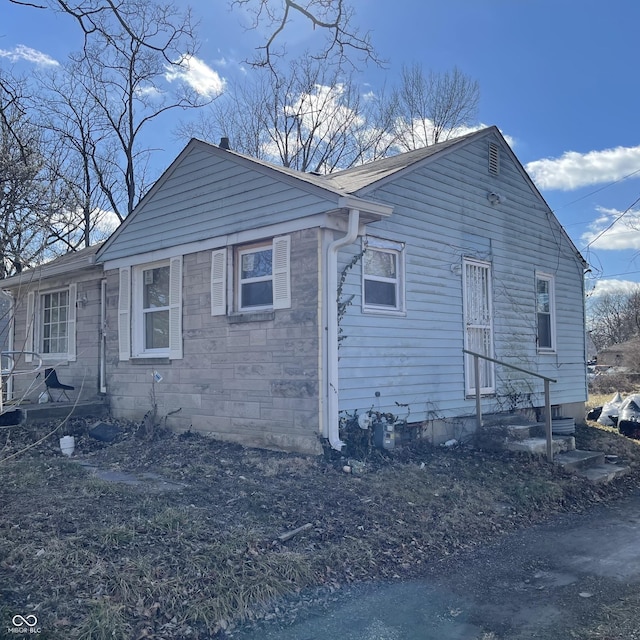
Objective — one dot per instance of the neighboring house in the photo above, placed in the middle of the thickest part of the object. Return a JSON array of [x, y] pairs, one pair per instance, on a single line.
[[624, 354], [259, 304]]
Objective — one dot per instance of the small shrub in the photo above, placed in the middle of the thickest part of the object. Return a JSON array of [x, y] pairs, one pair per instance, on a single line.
[[612, 382]]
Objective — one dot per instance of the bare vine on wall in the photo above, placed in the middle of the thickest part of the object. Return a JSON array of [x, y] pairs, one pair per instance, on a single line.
[[345, 303]]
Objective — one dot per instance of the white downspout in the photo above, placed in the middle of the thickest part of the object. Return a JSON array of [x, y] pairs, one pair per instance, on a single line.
[[333, 414]]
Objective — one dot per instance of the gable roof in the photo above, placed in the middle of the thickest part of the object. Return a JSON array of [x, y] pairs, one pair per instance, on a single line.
[[335, 189], [209, 160], [358, 178]]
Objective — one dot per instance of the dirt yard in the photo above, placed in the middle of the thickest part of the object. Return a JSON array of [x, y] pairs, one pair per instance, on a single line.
[[206, 541]]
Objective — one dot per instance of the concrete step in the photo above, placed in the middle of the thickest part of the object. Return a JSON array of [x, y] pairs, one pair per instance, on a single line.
[[601, 474], [39, 413], [592, 465], [579, 459], [538, 446]]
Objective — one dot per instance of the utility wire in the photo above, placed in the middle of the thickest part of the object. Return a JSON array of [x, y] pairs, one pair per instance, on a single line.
[[606, 186], [615, 220]]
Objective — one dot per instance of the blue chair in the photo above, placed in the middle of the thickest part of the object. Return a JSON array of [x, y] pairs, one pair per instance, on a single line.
[[51, 382]]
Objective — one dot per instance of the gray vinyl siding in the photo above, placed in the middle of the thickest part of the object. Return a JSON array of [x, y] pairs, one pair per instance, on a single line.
[[205, 196], [442, 214]]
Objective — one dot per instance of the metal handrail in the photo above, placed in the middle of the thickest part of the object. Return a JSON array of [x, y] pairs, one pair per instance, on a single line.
[[547, 394], [10, 371]]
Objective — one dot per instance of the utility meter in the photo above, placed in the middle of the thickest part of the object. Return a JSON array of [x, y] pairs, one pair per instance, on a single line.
[[384, 435]]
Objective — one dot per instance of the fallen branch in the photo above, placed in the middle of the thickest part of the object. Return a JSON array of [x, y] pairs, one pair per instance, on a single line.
[[294, 532]]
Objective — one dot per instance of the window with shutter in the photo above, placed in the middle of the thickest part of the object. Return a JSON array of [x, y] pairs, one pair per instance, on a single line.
[[150, 311], [263, 279], [51, 324]]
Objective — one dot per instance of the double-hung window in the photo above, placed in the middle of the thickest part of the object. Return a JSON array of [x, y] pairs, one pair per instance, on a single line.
[[155, 308], [255, 278], [383, 276], [51, 324], [55, 328], [150, 310], [545, 312], [261, 277]]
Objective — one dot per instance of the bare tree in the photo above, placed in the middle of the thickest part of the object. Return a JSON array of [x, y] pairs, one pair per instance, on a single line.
[[433, 107], [312, 117], [125, 80], [309, 117], [335, 18], [132, 50], [76, 133], [614, 318], [30, 195]]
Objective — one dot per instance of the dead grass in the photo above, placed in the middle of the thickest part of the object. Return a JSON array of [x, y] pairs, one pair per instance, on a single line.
[[104, 560]]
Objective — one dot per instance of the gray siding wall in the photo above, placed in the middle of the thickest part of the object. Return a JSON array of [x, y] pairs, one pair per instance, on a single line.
[[216, 196], [241, 379], [82, 373], [442, 214]]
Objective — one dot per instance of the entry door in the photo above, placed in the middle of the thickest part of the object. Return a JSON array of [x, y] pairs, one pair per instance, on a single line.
[[478, 322]]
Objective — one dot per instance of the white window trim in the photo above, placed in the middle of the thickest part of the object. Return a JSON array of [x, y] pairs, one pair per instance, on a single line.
[[397, 248], [35, 325], [130, 312], [247, 250], [547, 277], [280, 276]]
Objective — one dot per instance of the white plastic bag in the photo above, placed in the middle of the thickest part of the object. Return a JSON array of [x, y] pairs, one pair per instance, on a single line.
[[611, 408]]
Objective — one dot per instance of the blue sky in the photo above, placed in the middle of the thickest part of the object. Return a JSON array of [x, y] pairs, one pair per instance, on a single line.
[[558, 78]]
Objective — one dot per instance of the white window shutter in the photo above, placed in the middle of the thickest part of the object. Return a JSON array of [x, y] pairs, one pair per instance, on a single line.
[[175, 309], [281, 273], [28, 344], [219, 282], [124, 314], [71, 323]]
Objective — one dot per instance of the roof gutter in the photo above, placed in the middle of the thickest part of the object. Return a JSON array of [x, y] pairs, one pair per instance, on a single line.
[[333, 412]]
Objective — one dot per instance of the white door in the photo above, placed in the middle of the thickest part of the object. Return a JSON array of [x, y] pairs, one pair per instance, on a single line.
[[478, 322]]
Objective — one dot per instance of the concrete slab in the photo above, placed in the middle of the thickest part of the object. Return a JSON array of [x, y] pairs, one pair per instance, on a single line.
[[604, 473], [39, 413], [579, 459], [538, 446], [148, 481]]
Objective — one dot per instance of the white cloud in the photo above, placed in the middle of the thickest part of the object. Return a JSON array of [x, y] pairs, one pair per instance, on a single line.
[[612, 287], [21, 52], [609, 232], [573, 170], [148, 91], [198, 75]]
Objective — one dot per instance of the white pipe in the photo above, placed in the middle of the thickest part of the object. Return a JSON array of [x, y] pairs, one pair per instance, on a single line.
[[333, 412]]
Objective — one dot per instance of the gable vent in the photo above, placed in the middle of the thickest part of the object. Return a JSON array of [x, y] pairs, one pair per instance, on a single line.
[[494, 159]]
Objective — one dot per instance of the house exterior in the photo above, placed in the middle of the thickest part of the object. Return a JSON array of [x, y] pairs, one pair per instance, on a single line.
[[623, 354], [56, 312], [259, 304]]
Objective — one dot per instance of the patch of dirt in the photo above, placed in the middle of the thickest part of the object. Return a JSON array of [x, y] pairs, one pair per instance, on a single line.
[[97, 559]]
